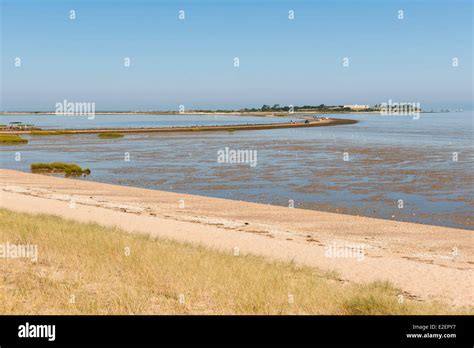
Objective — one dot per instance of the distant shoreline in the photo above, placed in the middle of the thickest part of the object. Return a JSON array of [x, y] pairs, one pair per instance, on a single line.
[[216, 113], [190, 113]]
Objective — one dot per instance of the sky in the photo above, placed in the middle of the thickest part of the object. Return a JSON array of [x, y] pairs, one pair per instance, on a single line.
[[190, 62]]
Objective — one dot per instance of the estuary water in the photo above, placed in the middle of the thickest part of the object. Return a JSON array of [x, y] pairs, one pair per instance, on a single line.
[[391, 167], [48, 122]]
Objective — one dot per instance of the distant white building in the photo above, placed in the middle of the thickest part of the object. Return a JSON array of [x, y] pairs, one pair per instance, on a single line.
[[357, 107]]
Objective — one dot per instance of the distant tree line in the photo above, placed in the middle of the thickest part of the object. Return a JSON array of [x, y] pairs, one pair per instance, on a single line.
[[296, 108], [289, 108]]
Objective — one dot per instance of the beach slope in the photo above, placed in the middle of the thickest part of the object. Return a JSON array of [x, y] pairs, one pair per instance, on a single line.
[[426, 262]]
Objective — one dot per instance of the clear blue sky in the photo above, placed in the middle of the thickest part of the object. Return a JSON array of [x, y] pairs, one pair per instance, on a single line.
[[190, 62]]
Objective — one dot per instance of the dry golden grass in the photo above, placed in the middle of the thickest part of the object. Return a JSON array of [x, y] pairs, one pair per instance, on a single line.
[[89, 262]]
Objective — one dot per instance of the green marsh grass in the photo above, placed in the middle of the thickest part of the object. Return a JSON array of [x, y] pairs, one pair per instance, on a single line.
[[12, 139], [59, 167], [110, 135]]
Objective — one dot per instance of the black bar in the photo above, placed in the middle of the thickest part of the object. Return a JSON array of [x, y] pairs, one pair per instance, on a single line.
[[261, 330]]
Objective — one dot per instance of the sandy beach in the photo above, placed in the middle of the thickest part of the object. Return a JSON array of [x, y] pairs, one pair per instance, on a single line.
[[300, 124], [426, 262]]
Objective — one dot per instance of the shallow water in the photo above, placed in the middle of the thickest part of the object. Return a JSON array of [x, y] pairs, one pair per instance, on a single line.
[[390, 158]]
